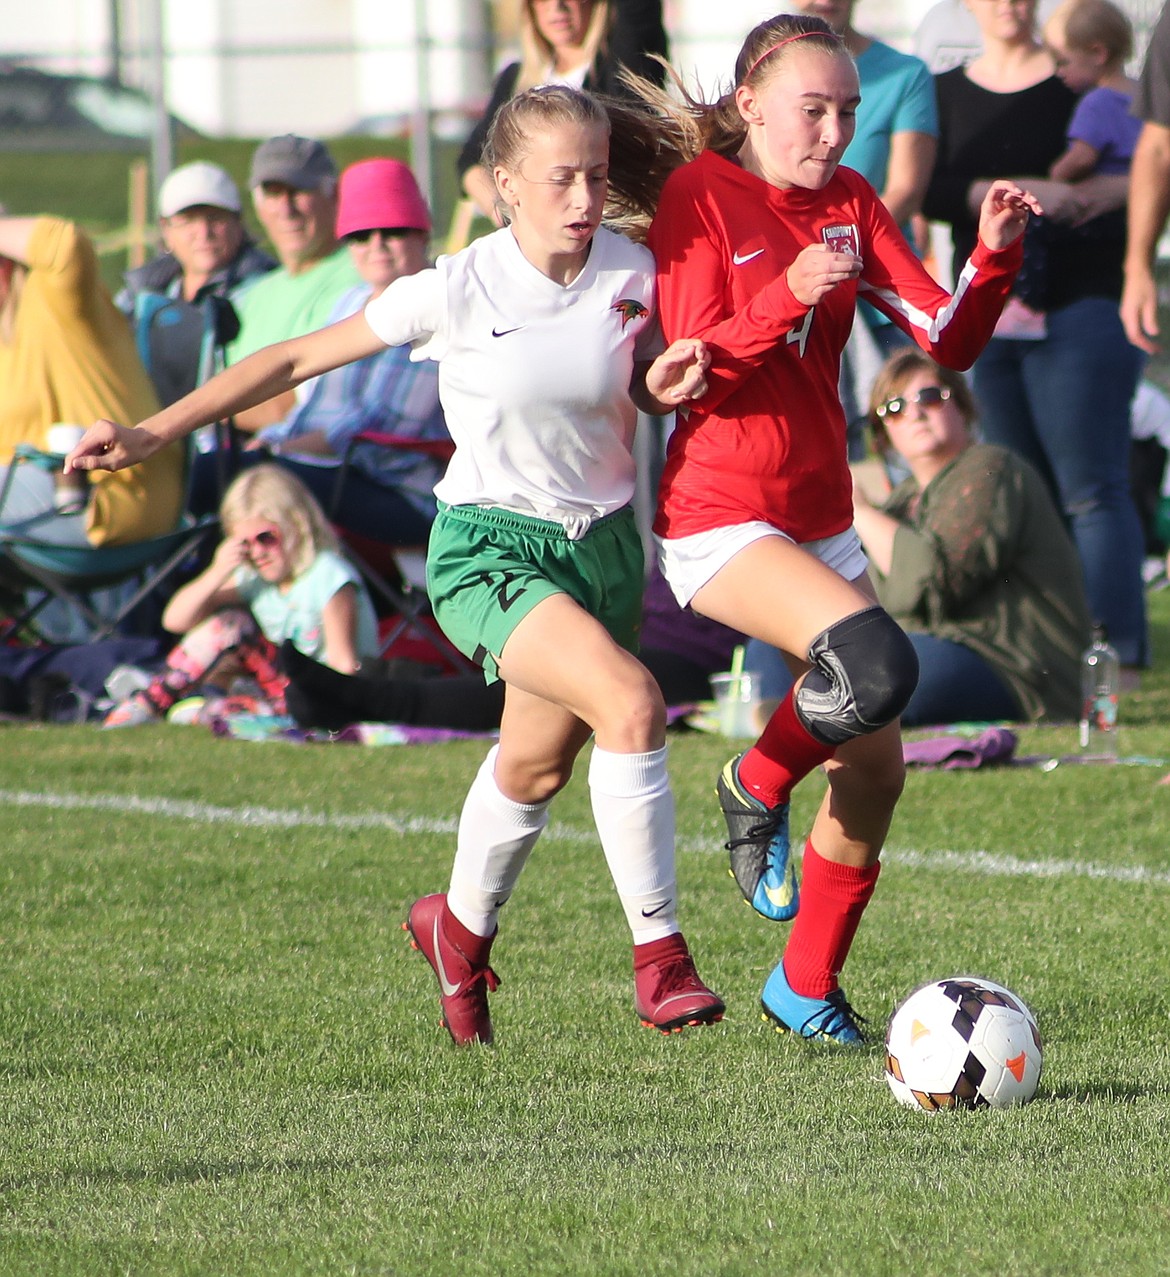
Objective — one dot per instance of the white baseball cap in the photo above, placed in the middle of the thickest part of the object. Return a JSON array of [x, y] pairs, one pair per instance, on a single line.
[[198, 183]]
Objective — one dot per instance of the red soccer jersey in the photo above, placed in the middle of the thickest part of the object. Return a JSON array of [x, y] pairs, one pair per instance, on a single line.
[[767, 441]]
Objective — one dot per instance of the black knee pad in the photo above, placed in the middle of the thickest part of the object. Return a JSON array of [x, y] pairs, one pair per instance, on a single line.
[[864, 671]]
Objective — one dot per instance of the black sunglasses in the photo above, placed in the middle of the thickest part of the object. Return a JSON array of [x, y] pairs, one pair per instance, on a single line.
[[927, 397], [265, 539], [386, 232]]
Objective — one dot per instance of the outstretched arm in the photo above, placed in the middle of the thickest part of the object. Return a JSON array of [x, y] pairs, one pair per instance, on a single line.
[[271, 371]]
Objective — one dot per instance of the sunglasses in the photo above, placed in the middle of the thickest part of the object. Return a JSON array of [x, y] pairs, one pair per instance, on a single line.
[[386, 233], [927, 397], [268, 539]]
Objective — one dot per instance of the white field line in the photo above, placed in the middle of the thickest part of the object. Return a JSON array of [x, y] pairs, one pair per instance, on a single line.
[[985, 863]]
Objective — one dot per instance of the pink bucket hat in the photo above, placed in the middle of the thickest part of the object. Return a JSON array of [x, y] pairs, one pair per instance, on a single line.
[[380, 193]]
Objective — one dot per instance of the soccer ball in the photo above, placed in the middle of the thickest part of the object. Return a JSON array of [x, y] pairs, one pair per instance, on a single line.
[[963, 1043]]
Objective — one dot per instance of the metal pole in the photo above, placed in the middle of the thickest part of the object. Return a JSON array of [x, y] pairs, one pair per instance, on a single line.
[[162, 157], [421, 152]]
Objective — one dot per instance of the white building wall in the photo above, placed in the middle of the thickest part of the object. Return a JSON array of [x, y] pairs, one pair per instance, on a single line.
[[257, 67]]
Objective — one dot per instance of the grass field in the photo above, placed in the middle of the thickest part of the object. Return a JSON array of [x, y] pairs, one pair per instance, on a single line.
[[219, 1055]]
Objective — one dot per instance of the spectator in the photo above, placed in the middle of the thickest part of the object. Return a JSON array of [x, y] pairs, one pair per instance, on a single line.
[[1149, 192], [293, 181], [1091, 41], [208, 253], [383, 220], [947, 36], [67, 356], [971, 558], [582, 43], [276, 575], [1056, 381]]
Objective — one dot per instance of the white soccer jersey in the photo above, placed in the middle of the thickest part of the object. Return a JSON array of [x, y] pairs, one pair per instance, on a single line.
[[533, 375]]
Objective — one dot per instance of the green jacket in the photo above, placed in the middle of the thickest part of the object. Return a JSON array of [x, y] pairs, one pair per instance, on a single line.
[[982, 558]]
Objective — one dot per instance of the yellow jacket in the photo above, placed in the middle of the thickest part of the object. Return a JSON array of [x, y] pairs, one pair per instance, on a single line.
[[72, 359]]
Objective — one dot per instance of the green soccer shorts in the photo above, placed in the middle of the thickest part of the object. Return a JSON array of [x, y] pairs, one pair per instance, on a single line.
[[488, 568]]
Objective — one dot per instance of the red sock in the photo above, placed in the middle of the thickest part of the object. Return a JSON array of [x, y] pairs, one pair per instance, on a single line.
[[784, 754], [832, 899], [476, 949]]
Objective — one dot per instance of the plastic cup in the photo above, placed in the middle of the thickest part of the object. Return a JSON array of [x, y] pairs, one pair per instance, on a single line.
[[72, 490], [737, 697]]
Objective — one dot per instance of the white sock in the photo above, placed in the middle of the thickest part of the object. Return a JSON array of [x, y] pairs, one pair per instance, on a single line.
[[495, 838], [633, 808]]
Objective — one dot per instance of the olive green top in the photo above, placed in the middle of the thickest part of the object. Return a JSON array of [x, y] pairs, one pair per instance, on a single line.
[[983, 559]]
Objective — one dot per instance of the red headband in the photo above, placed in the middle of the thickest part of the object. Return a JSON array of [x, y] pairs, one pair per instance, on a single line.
[[804, 35]]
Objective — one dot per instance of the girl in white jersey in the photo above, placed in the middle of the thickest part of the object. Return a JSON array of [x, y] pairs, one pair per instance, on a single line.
[[763, 243], [546, 338]]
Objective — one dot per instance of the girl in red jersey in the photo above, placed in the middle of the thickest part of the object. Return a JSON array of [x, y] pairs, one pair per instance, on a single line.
[[763, 245]]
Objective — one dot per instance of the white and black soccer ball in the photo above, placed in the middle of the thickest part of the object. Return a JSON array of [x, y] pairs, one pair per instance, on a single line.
[[963, 1043]]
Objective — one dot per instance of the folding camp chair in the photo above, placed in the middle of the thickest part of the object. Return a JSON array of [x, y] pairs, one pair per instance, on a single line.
[[74, 575], [181, 345], [394, 573]]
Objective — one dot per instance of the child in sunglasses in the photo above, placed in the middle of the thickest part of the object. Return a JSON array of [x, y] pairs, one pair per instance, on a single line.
[[276, 575]]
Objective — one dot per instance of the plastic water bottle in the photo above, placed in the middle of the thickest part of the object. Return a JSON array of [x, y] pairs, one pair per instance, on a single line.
[[1100, 688]]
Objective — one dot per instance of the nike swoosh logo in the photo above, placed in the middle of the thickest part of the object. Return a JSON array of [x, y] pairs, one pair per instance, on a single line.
[[449, 989], [779, 896], [503, 332], [653, 913], [740, 258]]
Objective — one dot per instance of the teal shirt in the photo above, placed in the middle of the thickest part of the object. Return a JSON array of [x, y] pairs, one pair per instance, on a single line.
[[897, 96], [279, 305], [296, 613]]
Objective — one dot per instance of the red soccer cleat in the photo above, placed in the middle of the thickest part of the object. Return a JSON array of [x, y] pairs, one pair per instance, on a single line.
[[463, 986], [668, 993]]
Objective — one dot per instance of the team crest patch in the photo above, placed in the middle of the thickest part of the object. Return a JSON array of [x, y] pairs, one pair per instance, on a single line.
[[629, 309], [842, 239]]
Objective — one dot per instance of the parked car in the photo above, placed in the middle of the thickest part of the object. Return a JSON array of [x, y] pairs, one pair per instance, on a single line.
[[43, 112]]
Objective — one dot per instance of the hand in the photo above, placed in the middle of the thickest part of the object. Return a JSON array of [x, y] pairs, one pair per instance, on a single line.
[[679, 374], [1139, 309], [1004, 213], [230, 554], [108, 446], [817, 270]]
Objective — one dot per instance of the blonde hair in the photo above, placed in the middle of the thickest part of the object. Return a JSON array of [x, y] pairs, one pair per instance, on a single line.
[[536, 54], [1084, 23], [693, 126], [639, 162], [272, 493]]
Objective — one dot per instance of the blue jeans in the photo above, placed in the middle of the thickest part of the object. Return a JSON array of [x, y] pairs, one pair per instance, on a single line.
[[955, 684], [1064, 404]]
